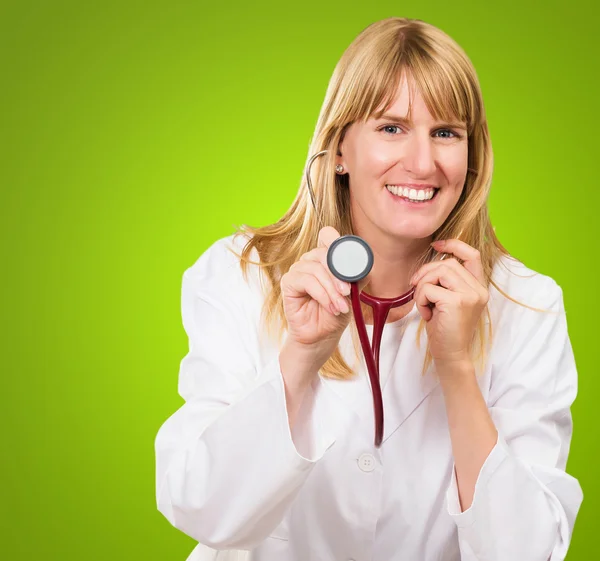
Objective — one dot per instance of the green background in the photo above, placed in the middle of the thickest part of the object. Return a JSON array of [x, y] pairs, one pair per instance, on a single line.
[[135, 134]]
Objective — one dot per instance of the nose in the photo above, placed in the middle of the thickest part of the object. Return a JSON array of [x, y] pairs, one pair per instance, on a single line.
[[419, 156]]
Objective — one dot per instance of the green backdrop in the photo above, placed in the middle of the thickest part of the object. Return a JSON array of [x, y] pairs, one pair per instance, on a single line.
[[134, 134]]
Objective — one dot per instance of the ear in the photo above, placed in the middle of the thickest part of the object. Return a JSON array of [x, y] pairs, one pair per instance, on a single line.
[[339, 159]]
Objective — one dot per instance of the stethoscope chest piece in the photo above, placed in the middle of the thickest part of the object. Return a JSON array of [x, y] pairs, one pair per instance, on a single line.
[[350, 258]]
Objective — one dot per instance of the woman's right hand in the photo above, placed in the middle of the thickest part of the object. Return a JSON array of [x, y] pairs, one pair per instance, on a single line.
[[316, 304]]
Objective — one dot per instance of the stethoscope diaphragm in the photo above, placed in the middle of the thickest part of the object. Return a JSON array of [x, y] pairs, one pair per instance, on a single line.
[[350, 258]]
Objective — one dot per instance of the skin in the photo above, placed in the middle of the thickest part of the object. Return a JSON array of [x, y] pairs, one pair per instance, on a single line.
[[450, 296]]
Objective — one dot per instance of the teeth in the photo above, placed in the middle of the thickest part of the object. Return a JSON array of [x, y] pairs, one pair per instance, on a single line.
[[412, 194]]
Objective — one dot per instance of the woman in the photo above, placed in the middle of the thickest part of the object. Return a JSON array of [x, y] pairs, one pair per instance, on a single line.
[[272, 455]]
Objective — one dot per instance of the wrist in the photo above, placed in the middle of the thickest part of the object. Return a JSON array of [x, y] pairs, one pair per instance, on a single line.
[[304, 360], [452, 361], [455, 373]]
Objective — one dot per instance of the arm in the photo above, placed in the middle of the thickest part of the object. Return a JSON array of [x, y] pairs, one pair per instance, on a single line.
[[472, 430], [227, 464], [297, 371], [518, 501]]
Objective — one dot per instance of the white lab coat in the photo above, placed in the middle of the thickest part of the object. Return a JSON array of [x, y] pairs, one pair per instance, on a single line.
[[231, 476]]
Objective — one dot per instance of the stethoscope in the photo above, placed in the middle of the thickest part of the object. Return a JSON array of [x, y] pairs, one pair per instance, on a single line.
[[350, 259]]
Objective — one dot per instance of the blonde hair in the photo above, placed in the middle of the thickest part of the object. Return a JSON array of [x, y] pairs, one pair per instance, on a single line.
[[367, 77]]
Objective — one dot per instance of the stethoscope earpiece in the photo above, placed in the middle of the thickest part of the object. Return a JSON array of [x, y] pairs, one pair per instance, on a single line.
[[350, 258]]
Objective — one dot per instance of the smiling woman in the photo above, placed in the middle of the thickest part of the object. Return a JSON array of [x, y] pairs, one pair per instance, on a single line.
[[272, 458]]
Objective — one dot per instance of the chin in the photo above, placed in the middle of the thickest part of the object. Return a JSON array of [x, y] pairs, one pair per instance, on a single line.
[[408, 233]]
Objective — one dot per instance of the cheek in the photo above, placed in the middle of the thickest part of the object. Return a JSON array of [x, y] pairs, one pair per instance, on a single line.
[[455, 167], [375, 158]]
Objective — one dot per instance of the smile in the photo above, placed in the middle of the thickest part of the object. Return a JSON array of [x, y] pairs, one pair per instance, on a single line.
[[412, 196]]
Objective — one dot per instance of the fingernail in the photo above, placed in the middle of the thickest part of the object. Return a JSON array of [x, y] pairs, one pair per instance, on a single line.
[[438, 243], [334, 310], [343, 305], [344, 288]]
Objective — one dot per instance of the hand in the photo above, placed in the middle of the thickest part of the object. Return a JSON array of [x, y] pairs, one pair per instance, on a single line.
[[316, 303], [451, 298]]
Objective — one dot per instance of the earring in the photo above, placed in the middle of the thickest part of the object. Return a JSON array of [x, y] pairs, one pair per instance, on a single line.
[[339, 168]]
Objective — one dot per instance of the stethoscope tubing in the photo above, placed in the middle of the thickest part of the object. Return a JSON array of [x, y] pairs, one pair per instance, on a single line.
[[372, 366], [381, 308]]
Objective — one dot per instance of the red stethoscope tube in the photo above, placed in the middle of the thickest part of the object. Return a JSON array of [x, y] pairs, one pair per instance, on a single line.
[[381, 308]]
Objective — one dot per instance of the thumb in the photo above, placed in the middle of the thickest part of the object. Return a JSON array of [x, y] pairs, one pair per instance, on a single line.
[[327, 235]]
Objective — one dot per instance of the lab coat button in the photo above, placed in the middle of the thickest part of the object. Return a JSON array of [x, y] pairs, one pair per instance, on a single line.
[[366, 462]]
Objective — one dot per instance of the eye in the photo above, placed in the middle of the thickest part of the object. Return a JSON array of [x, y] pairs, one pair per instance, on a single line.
[[454, 134], [389, 127]]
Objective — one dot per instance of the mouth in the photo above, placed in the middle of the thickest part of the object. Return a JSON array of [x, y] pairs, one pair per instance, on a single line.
[[413, 197]]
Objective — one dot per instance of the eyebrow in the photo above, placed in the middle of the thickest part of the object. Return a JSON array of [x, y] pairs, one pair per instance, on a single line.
[[405, 121]]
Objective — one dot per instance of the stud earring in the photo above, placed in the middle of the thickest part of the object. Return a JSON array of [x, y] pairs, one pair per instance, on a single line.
[[339, 168]]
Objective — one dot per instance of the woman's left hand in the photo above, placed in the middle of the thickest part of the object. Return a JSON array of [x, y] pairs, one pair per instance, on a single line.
[[457, 303]]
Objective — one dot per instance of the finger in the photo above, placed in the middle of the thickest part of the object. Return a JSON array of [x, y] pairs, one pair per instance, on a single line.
[[319, 255], [467, 276], [428, 294], [425, 269], [471, 283], [447, 277], [327, 280], [327, 235], [470, 256], [453, 264], [318, 292], [301, 284]]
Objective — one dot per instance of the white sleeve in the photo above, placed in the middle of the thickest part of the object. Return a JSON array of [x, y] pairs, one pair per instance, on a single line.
[[525, 504], [227, 466]]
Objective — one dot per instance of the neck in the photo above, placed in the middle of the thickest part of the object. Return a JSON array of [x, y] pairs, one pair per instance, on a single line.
[[395, 261]]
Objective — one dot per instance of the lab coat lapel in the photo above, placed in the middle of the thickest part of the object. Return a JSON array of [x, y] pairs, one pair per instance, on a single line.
[[404, 388], [354, 393]]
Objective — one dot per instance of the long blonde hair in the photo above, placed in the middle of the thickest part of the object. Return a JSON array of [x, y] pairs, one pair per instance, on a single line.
[[365, 78]]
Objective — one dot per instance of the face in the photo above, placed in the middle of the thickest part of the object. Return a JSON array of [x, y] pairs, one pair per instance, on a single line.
[[390, 159]]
